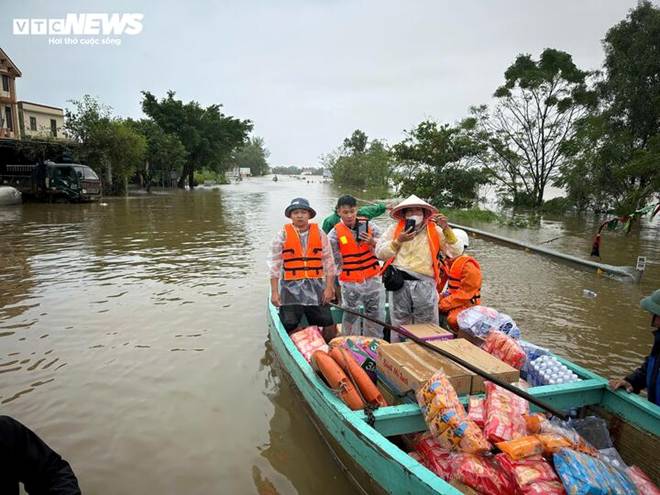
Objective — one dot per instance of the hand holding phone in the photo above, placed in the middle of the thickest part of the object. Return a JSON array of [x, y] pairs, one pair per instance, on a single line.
[[410, 225]]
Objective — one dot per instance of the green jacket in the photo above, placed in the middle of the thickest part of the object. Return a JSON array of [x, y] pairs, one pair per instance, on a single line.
[[369, 211]]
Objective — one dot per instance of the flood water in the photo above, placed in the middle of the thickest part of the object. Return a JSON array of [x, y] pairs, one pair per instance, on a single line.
[[133, 334]]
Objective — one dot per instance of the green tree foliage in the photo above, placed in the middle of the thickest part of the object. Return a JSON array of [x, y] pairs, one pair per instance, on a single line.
[[617, 148], [165, 155], [253, 155], [440, 162], [110, 146], [532, 122], [360, 162], [208, 135]]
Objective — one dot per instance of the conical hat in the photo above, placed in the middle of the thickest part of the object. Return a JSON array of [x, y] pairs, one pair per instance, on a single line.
[[412, 202]]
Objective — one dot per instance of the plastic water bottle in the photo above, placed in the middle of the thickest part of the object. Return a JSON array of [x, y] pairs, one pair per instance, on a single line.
[[589, 294]]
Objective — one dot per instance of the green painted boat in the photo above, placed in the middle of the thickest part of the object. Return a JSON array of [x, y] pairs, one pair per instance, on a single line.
[[377, 465]]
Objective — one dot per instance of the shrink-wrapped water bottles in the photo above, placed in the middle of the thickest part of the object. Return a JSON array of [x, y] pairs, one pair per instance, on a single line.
[[547, 370]]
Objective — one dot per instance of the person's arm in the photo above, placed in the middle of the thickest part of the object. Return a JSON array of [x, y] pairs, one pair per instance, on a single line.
[[638, 377], [35, 464], [449, 243], [372, 211], [386, 247], [334, 245], [470, 286], [329, 222], [275, 267], [328, 268]]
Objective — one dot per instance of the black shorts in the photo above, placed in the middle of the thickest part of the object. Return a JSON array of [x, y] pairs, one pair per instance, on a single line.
[[291, 315]]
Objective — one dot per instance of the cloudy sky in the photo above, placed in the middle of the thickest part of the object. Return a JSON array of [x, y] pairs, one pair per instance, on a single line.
[[307, 73]]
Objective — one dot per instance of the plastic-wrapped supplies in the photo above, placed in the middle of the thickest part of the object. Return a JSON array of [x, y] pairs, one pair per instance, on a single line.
[[504, 418], [446, 417], [480, 320], [482, 473], [532, 352], [433, 456], [505, 348], [533, 475], [308, 341], [476, 410], [643, 483], [547, 370], [582, 474]]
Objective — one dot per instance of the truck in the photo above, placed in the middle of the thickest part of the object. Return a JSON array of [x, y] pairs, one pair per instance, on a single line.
[[53, 182]]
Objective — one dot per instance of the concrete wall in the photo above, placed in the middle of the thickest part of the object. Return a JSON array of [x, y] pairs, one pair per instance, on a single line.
[[35, 120]]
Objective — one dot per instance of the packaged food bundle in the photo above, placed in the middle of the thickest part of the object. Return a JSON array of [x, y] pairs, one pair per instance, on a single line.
[[481, 320], [504, 419], [504, 348], [368, 344], [561, 428], [642, 481], [582, 474], [436, 395], [526, 473], [448, 418], [483, 474], [520, 448], [544, 488], [308, 341], [476, 410], [466, 436], [552, 442], [434, 457], [533, 422]]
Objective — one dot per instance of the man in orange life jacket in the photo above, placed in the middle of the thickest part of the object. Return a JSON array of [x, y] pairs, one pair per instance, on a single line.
[[358, 267], [302, 271], [413, 255], [462, 278]]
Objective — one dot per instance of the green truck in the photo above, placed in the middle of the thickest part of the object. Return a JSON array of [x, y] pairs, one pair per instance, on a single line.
[[53, 182]]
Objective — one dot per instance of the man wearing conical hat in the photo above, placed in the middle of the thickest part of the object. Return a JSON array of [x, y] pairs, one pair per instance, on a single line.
[[412, 267]]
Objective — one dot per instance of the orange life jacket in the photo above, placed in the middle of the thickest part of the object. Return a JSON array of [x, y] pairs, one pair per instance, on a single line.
[[434, 244], [358, 261], [454, 276], [298, 265]]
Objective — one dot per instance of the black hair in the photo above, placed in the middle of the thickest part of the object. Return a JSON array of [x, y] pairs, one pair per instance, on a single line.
[[346, 200]]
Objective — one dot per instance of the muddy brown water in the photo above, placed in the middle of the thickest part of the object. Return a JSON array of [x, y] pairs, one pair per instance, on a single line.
[[133, 334]]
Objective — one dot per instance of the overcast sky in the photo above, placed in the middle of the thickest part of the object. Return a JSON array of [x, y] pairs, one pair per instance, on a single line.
[[308, 73]]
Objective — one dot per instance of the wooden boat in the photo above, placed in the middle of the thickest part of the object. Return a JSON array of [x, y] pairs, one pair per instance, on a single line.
[[377, 465]]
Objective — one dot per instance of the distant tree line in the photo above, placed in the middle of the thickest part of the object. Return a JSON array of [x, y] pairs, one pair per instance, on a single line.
[[594, 133], [293, 170], [176, 140]]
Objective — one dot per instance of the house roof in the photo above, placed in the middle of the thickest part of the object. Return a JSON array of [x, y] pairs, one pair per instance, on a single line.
[[4, 58], [23, 102]]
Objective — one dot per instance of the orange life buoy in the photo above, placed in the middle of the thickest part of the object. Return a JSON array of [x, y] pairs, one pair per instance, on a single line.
[[337, 379], [353, 370]]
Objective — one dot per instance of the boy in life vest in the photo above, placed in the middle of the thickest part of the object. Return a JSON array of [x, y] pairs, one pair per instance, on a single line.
[[302, 271], [646, 376], [460, 282], [353, 241], [412, 257]]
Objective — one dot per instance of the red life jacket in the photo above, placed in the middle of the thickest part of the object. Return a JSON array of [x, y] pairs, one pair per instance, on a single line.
[[298, 265], [357, 258], [455, 273]]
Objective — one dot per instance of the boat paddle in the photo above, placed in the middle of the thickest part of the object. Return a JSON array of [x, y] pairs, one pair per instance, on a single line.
[[484, 374]]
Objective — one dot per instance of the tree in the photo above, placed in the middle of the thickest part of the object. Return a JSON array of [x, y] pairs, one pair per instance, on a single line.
[[164, 153], [440, 162], [110, 146], [617, 146], [253, 155], [208, 135], [360, 162], [532, 122]]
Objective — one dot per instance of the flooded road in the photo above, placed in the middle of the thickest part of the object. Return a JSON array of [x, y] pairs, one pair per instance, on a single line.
[[133, 335]]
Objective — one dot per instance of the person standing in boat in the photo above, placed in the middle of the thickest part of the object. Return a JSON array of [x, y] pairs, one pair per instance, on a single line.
[[460, 283], [353, 242], [646, 376], [368, 211], [302, 271], [412, 247]]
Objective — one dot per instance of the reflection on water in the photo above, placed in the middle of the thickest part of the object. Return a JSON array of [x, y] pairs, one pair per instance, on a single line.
[[132, 335]]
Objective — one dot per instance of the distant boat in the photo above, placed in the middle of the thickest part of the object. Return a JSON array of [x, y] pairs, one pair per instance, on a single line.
[[275, 178]]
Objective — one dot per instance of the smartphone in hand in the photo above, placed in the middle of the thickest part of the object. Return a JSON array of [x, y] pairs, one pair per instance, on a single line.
[[362, 227], [410, 225]]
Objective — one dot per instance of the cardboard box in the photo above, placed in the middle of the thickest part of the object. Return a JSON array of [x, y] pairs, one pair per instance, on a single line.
[[478, 341], [463, 349], [407, 366], [428, 331]]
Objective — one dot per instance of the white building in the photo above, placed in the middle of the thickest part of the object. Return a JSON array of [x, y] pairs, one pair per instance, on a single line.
[[36, 120]]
